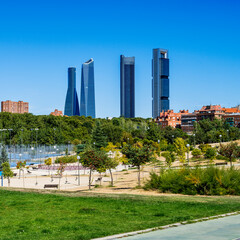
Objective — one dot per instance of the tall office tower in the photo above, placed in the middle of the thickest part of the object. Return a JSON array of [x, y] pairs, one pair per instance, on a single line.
[[127, 86], [87, 104], [160, 81], [71, 103]]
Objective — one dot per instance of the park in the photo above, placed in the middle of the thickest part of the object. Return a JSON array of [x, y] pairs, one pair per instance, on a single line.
[[124, 169]]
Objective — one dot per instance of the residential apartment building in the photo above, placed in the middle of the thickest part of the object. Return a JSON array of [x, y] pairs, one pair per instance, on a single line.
[[210, 112], [170, 118], [232, 119], [15, 107], [57, 113], [188, 121]]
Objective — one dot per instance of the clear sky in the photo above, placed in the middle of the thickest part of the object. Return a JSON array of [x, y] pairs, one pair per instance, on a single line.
[[40, 39]]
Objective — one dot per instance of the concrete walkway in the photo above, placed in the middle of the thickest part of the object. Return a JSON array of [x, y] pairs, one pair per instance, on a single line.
[[227, 228]]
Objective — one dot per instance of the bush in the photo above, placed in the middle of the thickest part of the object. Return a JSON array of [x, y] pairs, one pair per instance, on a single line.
[[66, 159], [204, 181], [220, 157], [211, 153], [196, 153], [204, 147]]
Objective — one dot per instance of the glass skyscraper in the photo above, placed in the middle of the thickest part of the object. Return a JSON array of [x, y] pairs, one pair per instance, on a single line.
[[160, 81], [87, 98], [127, 86], [71, 103]]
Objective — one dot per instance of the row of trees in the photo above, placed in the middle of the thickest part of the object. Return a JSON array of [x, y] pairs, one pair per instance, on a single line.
[[47, 129]]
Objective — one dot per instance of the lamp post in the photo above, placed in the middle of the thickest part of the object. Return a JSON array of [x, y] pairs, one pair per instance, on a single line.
[[188, 153], [40, 153], [172, 138], [10, 144], [194, 140], [1, 130], [220, 139], [32, 148], [78, 158], [110, 154], [228, 134], [54, 129], [36, 129]]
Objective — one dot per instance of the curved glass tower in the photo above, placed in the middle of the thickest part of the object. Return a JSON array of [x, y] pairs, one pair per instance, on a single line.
[[71, 103], [87, 98], [127, 86], [160, 81]]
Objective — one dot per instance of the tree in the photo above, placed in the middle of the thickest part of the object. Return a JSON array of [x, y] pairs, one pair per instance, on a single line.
[[169, 157], [98, 136], [231, 151], [7, 172], [94, 159], [4, 156], [21, 165], [138, 156], [196, 153], [180, 149], [211, 153], [48, 162]]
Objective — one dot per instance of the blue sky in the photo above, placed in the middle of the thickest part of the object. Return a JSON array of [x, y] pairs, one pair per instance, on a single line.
[[40, 39]]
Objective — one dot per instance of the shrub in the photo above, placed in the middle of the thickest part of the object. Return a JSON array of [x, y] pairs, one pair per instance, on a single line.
[[220, 157], [204, 181], [48, 161], [204, 147], [210, 153], [66, 159], [196, 153]]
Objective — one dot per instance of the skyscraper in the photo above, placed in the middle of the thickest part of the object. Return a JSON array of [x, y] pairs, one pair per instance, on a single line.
[[87, 98], [71, 103], [160, 81], [127, 86]]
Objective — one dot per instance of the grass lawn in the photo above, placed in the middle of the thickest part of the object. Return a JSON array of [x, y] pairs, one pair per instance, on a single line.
[[52, 216]]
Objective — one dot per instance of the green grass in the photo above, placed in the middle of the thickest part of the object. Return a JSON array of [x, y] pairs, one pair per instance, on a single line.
[[53, 216]]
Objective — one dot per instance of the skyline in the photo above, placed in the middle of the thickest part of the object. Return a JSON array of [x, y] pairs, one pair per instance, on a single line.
[[38, 44]]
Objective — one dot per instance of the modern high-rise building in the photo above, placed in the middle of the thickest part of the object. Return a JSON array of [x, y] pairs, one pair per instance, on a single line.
[[71, 103], [14, 107], [127, 86], [87, 98], [160, 81]]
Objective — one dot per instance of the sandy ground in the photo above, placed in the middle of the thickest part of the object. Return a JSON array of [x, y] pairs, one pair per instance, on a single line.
[[125, 179]]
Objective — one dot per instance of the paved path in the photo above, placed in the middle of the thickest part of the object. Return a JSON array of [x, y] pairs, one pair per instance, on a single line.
[[227, 228]]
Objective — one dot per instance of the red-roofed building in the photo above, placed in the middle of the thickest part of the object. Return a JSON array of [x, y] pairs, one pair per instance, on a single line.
[[56, 113], [169, 118], [210, 112], [231, 110]]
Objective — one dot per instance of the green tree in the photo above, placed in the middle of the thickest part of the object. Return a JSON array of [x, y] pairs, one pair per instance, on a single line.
[[231, 151], [196, 153], [211, 153], [3, 157], [7, 172], [180, 149], [169, 157], [138, 156], [94, 159], [98, 137]]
